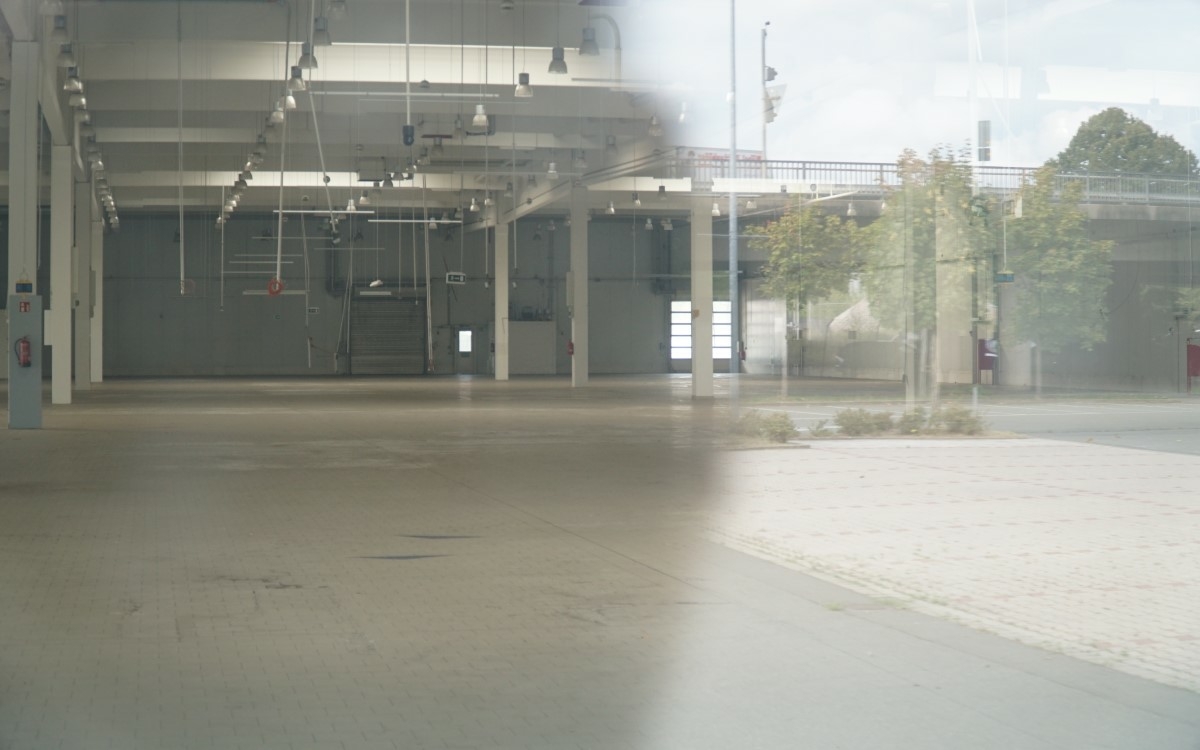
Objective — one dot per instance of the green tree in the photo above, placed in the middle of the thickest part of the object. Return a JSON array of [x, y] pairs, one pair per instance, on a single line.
[[1115, 141], [933, 226], [1063, 274], [810, 253]]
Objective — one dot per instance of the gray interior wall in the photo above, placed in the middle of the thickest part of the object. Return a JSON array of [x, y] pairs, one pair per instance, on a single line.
[[153, 330]]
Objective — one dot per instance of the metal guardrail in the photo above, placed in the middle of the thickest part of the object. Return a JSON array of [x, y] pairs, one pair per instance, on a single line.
[[867, 179]]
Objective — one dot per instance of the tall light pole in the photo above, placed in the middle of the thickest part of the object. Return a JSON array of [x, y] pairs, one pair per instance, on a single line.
[[735, 354]]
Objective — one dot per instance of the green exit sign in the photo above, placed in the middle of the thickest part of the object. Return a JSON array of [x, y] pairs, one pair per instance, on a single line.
[[1005, 277]]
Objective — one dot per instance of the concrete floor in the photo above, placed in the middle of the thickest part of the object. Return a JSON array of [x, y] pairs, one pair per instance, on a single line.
[[466, 564]]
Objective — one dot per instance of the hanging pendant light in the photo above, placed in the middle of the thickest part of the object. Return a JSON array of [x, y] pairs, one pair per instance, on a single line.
[[655, 130], [438, 149], [296, 82], [72, 84], [287, 102], [276, 115], [552, 171], [588, 45], [649, 225], [350, 205], [77, 100], [637, 200], [558, 62], [474, 207], [612, 209], [59, 33], [365, 199], [307, 61], [65, 58], [480, 120], [716, 211], [487, 200], [321, 36], [524, 90]]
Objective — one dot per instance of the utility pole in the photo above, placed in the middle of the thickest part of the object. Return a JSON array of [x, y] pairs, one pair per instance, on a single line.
[[768, 111]]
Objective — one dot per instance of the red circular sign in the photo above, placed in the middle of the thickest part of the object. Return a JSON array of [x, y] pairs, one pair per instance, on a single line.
[[274, 287]]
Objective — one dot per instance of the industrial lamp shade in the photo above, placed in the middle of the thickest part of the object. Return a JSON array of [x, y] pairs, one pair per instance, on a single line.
[[480, 120], [307, 61], [588, 46], [65, 58], [558, 62], [321, 36], [524, 90]]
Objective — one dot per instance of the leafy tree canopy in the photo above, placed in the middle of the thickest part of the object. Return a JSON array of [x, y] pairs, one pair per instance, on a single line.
[[1115, 141], [809, 253]]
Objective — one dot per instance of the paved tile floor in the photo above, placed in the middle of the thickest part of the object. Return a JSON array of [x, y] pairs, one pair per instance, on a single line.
[[465, 564]]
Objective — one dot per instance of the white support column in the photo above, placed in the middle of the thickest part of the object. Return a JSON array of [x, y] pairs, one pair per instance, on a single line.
[[22, 173], [61, 239], [501, 316], [97, 281], [702, 297], [579, 286], [83, 286]]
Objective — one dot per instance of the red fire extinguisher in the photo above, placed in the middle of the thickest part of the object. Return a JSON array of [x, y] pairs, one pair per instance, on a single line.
[[570, 348], [24, 352]]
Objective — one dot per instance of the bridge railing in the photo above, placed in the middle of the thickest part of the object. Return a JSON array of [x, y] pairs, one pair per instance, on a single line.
[[872, 178]]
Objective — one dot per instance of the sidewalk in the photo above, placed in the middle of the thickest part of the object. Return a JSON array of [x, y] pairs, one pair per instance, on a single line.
[[1085, 550]]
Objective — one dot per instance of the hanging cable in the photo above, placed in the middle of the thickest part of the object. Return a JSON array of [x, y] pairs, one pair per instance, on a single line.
[[179, 87]]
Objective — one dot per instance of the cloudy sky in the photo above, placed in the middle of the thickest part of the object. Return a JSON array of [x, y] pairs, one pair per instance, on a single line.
[[868, 78]]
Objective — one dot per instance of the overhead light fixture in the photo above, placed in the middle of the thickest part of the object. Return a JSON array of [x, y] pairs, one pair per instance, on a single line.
[[336, 9], [65, 58], [321, 36], [851, 211], [474, 207], [307, 61], [387, 180], [552, 171], [59, 32], [612, 209], [580, 161], [287, 102], [376, 283], [77, 100], [487, 200], [655, 130], [458, 127], [296, 82], [588, 46], [637, 200], [667, 225], [480, 120], [531, 182], [438, 149], [86, 130], [350, 205], [276, 115], [524, 90], [508, 190], [662, 192], [433, 223], [239, 183], [716, 209], [750, 204], [558, 61], [72, 84], [649, 225], [365, 199]]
